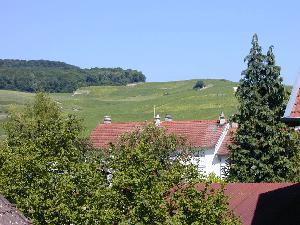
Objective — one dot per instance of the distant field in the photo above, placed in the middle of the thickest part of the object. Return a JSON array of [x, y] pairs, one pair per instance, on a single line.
[[135, 103]]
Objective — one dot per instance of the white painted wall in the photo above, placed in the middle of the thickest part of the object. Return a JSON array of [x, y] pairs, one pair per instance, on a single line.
[[222, 165], [209, 162]]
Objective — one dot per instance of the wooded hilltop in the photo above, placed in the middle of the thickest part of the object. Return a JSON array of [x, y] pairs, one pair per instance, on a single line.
[[55, 76]]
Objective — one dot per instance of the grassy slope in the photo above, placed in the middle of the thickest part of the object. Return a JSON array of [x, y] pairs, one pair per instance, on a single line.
[[135, 103]]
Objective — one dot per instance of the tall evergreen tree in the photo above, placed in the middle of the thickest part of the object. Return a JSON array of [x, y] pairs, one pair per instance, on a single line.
[[264, 148]]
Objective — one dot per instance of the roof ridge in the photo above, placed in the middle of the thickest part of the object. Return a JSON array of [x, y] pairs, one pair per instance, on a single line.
[[222, 137], [174, 121]]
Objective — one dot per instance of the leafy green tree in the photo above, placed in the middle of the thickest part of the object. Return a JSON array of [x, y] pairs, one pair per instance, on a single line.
[[200, 205], [264, 149], [145, 166], [199, 84], [43, 166], [52, 76]]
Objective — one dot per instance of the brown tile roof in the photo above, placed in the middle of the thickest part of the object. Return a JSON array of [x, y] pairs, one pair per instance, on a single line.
[[264, 203], [10, 215], [199, 133]]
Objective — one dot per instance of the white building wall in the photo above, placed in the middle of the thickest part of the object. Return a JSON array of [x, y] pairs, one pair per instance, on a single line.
[[208, 162], [222, 165]]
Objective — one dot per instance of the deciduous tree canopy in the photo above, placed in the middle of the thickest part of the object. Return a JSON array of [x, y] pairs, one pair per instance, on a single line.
[[146, 166], [44, 168], [52, 76]]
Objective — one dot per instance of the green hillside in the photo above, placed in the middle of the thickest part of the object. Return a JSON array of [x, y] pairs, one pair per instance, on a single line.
[[135, 102]]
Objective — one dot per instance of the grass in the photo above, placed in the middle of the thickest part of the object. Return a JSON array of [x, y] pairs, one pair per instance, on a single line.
[[135, 103]]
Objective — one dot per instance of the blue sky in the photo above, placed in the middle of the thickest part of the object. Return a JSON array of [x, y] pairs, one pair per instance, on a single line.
[[166, 40]]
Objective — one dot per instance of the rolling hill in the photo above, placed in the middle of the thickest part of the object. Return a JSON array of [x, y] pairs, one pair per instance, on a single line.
[[135, 102]]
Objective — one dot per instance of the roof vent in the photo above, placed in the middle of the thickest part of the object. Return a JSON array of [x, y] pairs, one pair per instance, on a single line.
[[107, 120], [168, 118], [234, 125], [222, 119], [157, 120]]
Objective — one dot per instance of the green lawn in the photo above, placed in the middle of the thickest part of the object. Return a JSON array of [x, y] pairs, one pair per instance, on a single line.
[[135, 103]]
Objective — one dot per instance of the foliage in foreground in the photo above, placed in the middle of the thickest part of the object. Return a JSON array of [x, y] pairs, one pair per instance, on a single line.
[[200, 204], [146, 165], [42, 166], [264, 149], [53, 177]]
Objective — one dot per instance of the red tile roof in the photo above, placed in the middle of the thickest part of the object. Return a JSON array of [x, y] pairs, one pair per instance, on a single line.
[[104, 134], [296, 107], [292, 110], [10, 215], [264, 203], [199, 133], [224, 150]]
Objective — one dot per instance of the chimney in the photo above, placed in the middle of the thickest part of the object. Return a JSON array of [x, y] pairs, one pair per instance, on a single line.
[[222, 119], [157, 120], [234, 125], [107, 120], [168, 118]]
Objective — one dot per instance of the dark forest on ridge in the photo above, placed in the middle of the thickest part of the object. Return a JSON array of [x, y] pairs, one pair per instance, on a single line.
[[54, 76]]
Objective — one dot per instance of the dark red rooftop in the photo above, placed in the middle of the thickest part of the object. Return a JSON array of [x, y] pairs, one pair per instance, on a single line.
[[264, 203]]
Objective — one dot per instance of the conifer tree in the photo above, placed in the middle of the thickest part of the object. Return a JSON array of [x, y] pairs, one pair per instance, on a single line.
[[264, 148]]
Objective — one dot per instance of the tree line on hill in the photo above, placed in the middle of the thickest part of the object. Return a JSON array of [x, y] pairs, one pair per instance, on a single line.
[[53, 76]]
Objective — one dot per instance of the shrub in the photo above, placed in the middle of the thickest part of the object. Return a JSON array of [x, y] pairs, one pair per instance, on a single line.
[[199, 85]]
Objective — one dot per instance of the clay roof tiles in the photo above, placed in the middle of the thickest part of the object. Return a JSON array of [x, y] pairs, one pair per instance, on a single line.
[[228, 139], [293, 106], [264, 203], [199, 133], [296, 107]]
